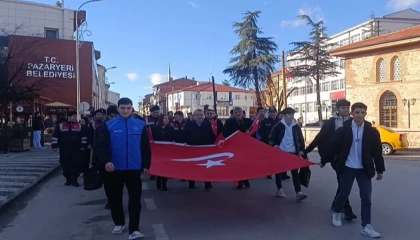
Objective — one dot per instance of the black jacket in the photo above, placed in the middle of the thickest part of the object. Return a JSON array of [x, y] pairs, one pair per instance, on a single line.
[[166, 134], [195, 135], [265, 127], [232, 125], [69, 135], [37, 124], [339, 147], [179, 128], [277, 134], [322, 139]]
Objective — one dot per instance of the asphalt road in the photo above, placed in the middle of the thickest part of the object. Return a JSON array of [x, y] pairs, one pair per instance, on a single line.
[[56, 212]]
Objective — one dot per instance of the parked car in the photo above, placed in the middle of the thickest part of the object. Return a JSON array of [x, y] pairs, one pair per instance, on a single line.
[[391, 140]]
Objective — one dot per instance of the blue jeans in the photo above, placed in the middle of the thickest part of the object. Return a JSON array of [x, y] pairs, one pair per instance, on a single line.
[[365, 187], [37, 139]]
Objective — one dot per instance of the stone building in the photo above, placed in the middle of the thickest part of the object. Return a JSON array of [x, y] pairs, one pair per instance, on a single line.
[[384, 73]]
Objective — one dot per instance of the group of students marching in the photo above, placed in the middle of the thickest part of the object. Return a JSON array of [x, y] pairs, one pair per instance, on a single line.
[[120, 139]]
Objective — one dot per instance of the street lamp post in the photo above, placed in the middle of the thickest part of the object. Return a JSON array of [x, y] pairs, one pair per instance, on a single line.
[[409, 103], [78, 60]]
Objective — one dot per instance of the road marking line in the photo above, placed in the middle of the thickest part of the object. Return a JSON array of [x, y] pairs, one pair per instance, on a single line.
[[160, 233], [2, 198], [150, 203], [17, 177], [9, 189], [144, 186]]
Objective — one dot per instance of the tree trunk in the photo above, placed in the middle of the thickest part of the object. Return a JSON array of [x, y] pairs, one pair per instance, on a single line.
[[257, 88], [318, 101]]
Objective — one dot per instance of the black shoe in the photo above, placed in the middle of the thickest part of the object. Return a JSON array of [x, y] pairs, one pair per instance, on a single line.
[[349, 215], [107, 206], [159, 185], [208, 186], [67, 183], [75, 184], [240, 186], [285, 177], [164, 188], [269, 177], [191, 185], [246, 184]]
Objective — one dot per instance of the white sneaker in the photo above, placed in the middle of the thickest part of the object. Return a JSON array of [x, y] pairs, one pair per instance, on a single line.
[[336, 219], [280, 193], [118, 229], [136, 235], [301, 196], [369, 231]]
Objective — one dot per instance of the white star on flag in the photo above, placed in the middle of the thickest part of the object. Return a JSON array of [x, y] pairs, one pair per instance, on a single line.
[[211, 163]]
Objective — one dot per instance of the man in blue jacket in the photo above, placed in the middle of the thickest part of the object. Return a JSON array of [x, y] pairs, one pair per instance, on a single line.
[[123, 146]]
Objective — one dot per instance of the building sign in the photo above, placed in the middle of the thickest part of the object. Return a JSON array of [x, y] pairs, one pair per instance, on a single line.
[[337, 95], [224, 103], [50, 68]]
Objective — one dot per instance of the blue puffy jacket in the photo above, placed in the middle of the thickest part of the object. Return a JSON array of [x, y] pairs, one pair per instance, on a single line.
[[125, 143]]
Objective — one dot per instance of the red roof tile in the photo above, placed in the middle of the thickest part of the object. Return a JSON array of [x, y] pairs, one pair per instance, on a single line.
[[404, 34], [207, 87]]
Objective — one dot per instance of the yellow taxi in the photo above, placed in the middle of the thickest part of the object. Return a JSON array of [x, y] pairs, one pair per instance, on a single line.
[[391, 140]]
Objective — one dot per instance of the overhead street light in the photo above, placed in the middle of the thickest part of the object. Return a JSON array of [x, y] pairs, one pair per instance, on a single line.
[[77, 57], [114, 67]]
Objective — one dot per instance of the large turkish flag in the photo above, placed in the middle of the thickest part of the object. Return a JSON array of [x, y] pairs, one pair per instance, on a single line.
[[239, 157]]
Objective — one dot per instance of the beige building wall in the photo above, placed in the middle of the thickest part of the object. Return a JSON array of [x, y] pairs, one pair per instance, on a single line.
[[362, 73]]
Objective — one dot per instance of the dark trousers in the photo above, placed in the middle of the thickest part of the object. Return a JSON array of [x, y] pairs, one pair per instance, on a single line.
[[161, 181], [132, 180], [295, 177], [206, 184], [70, 162], [85, 160], [365, 187], [42, 139], [105, 180], [347, 208]]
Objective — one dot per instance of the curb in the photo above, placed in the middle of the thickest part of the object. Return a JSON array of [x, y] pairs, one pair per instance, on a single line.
[[29, 187]]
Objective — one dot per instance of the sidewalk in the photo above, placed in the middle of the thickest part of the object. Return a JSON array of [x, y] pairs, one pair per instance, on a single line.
[[21, 171]]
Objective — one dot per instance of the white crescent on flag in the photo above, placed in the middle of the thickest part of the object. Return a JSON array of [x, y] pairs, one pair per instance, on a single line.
[[210, 163]]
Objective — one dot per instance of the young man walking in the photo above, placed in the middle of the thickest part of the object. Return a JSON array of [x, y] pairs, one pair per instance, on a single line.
[[357, 150], [322, 140], [123, 145], [287, 136]]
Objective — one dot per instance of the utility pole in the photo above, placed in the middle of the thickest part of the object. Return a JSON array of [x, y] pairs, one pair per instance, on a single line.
[[214, 94], [283, 62]]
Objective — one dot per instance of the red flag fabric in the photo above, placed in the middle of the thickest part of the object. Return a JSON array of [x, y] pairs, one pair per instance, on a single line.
[[254, 127], [239, 157], [214, 126], [219, 138]]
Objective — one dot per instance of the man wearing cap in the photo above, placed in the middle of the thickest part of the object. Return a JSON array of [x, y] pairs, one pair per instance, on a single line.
[[287, 136], [322, 140], [266, 125], [154, 116], [70, 136]]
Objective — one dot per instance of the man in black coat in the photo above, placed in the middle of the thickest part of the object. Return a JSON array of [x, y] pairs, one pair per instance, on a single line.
[[287, 136], [266, 125], [322, 140], [356, 153], [211, 116], [199, 132], [238, 123]]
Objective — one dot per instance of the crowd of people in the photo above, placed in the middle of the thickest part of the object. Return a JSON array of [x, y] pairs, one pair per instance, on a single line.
[[118, 144]]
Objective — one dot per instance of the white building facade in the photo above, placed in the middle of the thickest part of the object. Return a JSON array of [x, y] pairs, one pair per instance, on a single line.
[[113, 98], [196, 97], [334, 88], [36, 19]]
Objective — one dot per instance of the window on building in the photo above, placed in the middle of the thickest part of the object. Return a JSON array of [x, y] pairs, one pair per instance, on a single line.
[[222, 96], [388, 110], [342, 64], [51, 33], [310, 89], [302, 107], [396, 69], [342, 83], [4, 50], [223, 111], [381, 70], [355, 38], [246, 97], [326, 86], [310, 106], [302, 91], [344, 42], [335, 85], [237, 96]]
